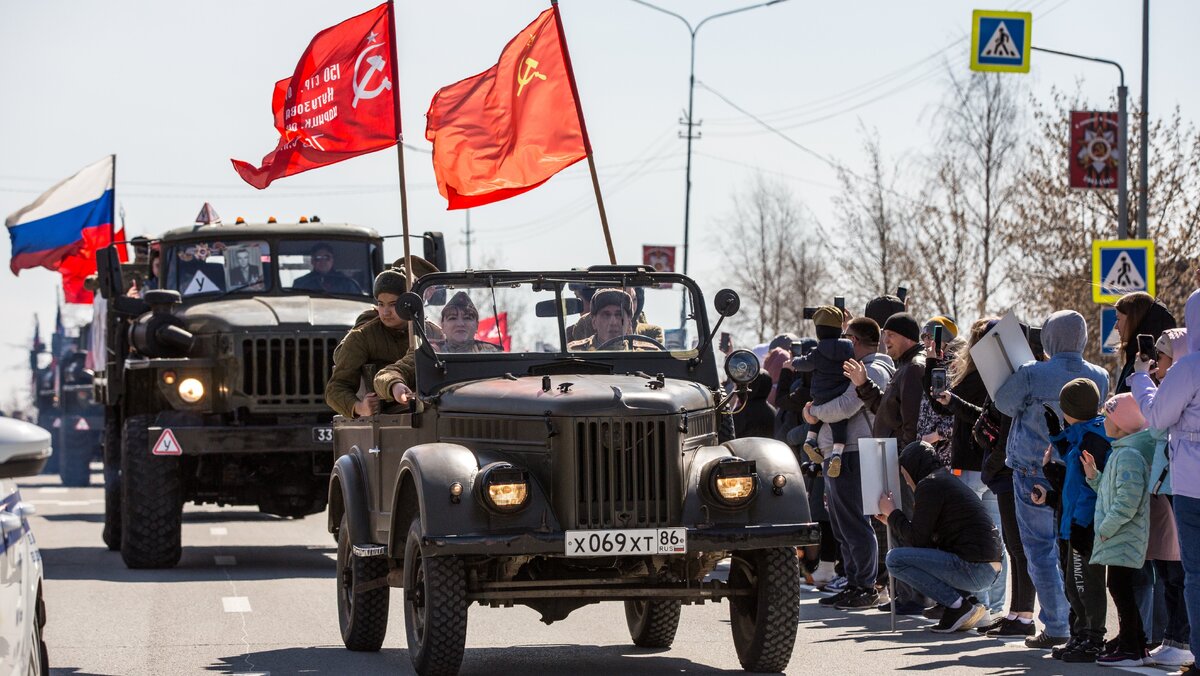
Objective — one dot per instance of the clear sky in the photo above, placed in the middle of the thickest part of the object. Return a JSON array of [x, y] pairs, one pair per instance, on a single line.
[[177, 89]]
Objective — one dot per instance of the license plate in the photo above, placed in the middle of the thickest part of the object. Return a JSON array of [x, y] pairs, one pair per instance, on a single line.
[[626, 542], [323, 435]]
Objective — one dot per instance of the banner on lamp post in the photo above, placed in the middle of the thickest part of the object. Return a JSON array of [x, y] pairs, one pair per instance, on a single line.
[[1095, 155], [660, 258]]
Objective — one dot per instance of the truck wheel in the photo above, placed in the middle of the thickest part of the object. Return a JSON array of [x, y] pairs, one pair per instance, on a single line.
[[151, 501], [764, 622], [652, 623], [112, 484], [74, 467], [435, 607], [363, 615]]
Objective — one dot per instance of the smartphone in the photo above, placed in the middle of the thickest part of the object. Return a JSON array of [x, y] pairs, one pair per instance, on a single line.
[[938, 381], [1145, 343], [937, 340], [902, 294], [726, 344], [809, 312], [839, 302]]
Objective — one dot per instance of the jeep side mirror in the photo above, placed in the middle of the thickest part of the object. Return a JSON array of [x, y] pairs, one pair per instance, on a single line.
[[410, 307], [108, 272], [727, 302], [550, 308]]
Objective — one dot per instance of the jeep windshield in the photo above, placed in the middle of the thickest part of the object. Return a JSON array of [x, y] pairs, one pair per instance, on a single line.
[[571, 314], [257, 266]]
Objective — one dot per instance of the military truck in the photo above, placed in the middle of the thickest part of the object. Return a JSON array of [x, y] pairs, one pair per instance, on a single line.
[[594, 471], [66, 407], [214, 381]]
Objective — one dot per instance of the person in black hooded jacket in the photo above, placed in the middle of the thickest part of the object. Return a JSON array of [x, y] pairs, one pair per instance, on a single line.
[[954, 548], [757, 417], [1138, 313]]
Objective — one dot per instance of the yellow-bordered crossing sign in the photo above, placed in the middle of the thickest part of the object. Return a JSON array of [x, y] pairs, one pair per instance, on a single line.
[[1121, 266], [1000, 41]]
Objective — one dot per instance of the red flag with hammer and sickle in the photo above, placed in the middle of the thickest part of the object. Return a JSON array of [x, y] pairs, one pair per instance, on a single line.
[[339, 103], [510, 128]]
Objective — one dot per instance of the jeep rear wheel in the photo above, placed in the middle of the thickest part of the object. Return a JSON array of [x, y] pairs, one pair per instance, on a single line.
[[652, 623], [764, 622], [151, 500], [435, 607], [112, 483], [362, 614]]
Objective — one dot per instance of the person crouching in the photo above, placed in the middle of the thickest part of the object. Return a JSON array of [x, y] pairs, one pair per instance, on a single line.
[[955, 549]]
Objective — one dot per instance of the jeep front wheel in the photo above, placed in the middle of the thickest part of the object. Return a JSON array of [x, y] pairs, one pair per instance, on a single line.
[[652, 623], [362, 612], [435, 607], [112, 483], [764, 621], [151, 500]]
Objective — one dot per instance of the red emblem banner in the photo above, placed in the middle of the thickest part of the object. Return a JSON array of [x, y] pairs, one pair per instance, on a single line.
[[1095, 154], [338, 104]]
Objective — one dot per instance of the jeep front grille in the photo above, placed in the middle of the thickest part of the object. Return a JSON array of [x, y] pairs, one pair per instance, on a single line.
[[622, 473], [287, 371]]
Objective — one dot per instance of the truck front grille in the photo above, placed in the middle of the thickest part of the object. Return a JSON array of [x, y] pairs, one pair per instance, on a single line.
[[622, 473], [287, 371]]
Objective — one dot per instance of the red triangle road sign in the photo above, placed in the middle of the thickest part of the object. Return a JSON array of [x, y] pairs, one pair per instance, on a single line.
[[167, 444]]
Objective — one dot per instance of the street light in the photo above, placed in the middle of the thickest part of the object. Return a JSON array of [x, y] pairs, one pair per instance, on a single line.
[[687, 200]]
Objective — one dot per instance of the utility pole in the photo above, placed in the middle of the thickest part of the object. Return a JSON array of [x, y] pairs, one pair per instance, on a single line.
[[1144, 150]]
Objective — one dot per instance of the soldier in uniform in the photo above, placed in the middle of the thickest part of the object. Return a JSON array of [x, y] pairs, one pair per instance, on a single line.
[[584, 327], [460, 323], [611, 316]]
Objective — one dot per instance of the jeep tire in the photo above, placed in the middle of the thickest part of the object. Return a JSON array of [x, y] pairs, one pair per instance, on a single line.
[[112, 483], [764, 622], [652, 622], [363, 615], [151, 500], [435, 607]]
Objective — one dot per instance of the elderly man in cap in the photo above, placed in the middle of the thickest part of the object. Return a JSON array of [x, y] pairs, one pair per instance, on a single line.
[[374, 342], [611, 317]]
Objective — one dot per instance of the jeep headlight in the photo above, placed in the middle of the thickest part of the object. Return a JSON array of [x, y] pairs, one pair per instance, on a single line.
[[191, 390], [733, 481], [505, 488]]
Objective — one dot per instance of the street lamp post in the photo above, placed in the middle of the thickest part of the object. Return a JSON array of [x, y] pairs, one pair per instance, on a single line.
[[690, 122]]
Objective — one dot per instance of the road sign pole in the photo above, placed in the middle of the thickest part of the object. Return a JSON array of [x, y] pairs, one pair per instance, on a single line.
[[1123, 168], [1144, 150]]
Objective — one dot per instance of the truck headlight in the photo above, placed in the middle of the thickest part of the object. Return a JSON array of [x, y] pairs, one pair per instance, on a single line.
[[191, 390], [505, 488], [733, 481]]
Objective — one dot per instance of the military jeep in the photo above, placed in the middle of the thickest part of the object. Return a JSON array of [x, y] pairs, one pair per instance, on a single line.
[[529, 470], [215, 377]]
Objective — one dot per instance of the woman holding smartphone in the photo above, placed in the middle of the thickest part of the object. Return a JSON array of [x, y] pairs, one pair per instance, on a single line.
[[1138, 314]]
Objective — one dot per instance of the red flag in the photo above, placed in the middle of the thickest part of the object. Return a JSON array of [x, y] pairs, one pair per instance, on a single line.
[[494, 330], [510, 128], [338, 104]]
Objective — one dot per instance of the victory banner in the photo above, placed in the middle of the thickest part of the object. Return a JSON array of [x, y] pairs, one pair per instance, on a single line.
[[339, 103], [660, 258], [1095, 155]]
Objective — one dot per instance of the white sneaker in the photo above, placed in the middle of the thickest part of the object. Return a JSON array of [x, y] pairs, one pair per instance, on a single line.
[[824, 574], [885, 596], [836, 585], [1170, 656]]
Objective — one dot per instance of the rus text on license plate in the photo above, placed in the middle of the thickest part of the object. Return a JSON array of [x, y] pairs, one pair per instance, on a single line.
[[626, 542]]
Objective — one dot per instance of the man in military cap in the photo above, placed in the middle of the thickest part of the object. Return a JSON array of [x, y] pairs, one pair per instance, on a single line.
[[375, 342], [611, 317], [584, 328]]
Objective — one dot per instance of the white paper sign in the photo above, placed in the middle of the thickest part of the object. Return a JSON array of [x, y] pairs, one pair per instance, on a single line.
[[879, 472], [1000, 352]]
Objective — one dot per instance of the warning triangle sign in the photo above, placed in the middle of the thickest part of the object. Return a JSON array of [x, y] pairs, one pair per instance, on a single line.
[[200, 284], [1124, 276], [82, 425], [1000, 45], [166, 444]]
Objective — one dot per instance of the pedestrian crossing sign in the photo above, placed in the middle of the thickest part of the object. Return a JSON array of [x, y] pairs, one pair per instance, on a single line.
[[1000, 41], [1121, 266], [1110, 338]]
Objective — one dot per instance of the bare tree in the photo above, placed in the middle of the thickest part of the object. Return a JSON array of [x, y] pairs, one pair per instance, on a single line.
[[774, 258]]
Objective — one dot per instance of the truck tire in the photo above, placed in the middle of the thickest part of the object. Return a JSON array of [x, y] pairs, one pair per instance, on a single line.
[[112, 484], [764, 622], [652, 622], [151, 501], [435, 607], [74, 467], [363, 615]]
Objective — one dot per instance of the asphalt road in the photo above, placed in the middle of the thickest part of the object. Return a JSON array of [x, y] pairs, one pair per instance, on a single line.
[[255, 595]]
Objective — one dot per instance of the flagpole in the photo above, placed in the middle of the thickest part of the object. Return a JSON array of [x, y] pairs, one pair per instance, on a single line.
[[408, 272], [112, 221], [587, 144]]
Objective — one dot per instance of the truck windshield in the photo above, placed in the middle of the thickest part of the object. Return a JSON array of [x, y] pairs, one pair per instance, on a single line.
[[525, 317], [339, 267], [236, 266]]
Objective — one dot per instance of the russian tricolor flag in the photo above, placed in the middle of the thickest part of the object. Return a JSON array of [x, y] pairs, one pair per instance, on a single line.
[[62, 229]]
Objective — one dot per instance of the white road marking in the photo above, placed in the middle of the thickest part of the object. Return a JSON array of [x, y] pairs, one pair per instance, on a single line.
[[76, 503], [218, 530], [52, 489], [225, 560], [236, 604]]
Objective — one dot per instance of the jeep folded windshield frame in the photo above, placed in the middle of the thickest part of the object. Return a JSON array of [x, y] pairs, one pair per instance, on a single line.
[[489, 324]]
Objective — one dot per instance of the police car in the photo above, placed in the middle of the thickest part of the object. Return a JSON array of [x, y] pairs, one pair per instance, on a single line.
[[24, 449]]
